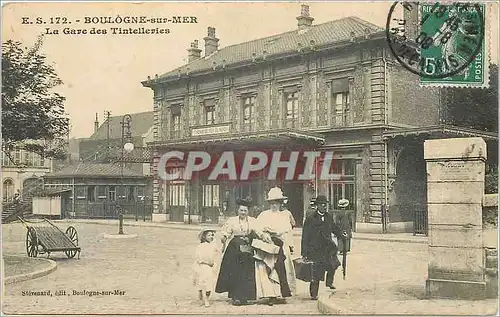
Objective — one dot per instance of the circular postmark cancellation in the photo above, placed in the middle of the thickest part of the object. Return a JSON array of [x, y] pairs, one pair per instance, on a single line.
[[446, 37]]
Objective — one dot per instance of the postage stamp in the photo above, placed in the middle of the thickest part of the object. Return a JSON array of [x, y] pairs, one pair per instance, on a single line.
[[450, 46], [249, 158]]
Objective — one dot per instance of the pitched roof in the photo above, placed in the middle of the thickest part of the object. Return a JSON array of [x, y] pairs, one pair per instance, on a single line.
[[324, 34], [94, 170], [141, 123]]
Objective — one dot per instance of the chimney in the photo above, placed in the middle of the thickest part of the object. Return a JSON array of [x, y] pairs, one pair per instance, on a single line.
[[304, 20], [211, 42], [96, 123], [193, 52]]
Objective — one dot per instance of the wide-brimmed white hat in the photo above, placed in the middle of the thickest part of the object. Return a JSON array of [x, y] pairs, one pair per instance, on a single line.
[[202, 232], [275, 193], [343, 203]]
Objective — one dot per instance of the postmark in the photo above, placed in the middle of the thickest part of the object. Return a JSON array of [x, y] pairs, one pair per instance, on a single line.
[[445, 44]]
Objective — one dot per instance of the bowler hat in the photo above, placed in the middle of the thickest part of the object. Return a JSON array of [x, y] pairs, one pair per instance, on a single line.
[[321, 199]]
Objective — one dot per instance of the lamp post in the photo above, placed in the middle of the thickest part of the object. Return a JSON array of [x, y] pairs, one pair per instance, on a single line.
[[126, 146]]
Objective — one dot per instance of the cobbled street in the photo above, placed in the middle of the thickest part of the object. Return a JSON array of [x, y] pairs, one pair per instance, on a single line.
[[154, 271]]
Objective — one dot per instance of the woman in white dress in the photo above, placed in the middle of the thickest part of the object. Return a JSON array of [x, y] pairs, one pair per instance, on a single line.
[[275, 273]]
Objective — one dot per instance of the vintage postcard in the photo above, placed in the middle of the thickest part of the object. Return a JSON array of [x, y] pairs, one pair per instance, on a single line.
[[249, 158]]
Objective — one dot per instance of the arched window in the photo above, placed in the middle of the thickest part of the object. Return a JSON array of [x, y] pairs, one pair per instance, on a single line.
[[8, 189], [31, 184]]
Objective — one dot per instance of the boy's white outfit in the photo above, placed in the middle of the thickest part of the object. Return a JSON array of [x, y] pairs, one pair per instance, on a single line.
[[204, 267]]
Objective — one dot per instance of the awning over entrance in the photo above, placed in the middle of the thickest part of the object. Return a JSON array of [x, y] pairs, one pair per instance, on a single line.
[[46, 192], [440, 131], [254, 139]]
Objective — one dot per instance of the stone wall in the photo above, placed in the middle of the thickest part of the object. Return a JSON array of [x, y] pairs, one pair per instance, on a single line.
[[490, 227], [455, 190], [491, 272], [410, 104]]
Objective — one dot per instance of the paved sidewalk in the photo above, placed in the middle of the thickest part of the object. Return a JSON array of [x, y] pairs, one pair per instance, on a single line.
[[389, 237], [20, 268], [360, 304]]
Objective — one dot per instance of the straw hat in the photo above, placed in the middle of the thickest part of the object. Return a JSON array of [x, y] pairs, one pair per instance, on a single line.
[[343, 203], [202, 232], [275, 193]]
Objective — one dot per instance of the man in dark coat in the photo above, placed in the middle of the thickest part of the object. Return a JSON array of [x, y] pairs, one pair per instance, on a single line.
[[318, 245], [343, 221]]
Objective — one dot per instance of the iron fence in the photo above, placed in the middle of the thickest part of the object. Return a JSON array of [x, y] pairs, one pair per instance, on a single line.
[[385, 217], [420, 223], [111, 210]]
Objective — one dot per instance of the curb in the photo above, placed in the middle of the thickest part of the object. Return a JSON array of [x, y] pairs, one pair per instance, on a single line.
[[420, 307], [119, 236], [32, 275], [196, 227], [383, 239], [325, 308]]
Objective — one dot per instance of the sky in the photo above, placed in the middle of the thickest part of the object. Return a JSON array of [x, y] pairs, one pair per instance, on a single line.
[[104, 72]]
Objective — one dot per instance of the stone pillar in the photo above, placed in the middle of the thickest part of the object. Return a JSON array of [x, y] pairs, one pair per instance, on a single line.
[[158, 215], [455, 189]]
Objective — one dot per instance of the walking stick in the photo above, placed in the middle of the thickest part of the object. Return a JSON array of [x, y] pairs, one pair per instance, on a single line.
[[344, 257]]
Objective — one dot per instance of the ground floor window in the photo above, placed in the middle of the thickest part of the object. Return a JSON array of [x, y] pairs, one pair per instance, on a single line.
[[210, 195], [112, 193], [80, 192], [343, 186], [91, 193], [122, 192], [131, 193], [338, 191], [177, 195], [101, 192], [140, 193], [8, 189]]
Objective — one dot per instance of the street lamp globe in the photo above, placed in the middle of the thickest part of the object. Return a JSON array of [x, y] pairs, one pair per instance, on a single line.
[[128, 147]]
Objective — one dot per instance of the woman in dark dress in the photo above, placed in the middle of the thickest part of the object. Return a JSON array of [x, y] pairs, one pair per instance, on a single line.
[[237, 271]]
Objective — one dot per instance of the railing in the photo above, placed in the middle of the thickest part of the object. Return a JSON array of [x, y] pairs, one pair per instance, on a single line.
[[420, 223], [385, 217], [111, 210]]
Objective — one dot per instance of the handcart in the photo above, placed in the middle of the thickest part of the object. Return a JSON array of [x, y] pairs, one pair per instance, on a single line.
[[44, 237]]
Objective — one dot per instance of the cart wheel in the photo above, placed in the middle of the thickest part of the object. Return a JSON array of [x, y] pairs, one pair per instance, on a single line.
[[73, 236], [31, 243]]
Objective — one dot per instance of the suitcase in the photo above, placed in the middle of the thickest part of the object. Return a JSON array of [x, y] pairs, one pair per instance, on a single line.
[[303, 269]]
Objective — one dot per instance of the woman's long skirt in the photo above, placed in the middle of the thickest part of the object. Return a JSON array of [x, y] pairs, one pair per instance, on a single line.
[[237, 272], [280, 269], [280, 282]]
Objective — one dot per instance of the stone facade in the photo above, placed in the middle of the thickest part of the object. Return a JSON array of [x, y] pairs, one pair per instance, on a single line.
[[455, 170], [382, 96], [490, 229]]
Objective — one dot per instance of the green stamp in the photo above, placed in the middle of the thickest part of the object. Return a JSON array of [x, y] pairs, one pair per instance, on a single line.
[[447, 46], [452, 43]]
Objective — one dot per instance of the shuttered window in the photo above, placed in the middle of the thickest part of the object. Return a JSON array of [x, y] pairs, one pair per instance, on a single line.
[[341, 102]]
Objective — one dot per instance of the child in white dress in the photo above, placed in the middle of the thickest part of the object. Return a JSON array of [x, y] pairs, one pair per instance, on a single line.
[[204, 266]]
